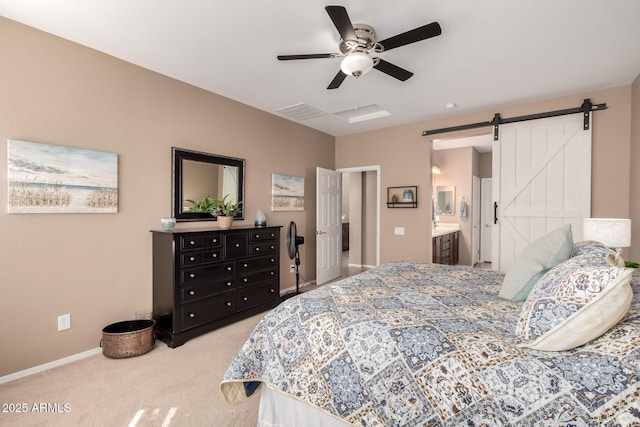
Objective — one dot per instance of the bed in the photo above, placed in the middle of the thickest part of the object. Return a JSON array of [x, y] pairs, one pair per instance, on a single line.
[[418, 344]]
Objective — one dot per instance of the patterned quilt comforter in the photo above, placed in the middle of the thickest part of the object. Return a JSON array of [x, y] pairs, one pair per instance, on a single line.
[[416, 344]]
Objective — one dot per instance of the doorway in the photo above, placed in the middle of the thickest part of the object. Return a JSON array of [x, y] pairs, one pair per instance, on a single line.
[[361, 211]]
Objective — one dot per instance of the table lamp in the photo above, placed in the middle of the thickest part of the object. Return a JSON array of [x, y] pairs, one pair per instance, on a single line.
[[613, 232]]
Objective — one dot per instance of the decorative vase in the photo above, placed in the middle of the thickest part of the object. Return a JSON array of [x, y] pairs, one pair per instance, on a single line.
[[261, 220], [167, 223], [225, 222]]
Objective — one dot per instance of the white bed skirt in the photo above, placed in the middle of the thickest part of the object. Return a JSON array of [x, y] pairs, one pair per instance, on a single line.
[[280, 410]]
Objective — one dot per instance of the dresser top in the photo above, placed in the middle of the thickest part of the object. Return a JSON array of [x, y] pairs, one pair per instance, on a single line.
[[210, 229]]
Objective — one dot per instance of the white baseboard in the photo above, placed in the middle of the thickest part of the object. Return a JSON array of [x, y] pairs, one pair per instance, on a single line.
[[49, 365]]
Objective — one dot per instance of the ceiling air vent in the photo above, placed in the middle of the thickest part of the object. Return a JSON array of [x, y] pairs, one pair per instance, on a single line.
[[301, 111]]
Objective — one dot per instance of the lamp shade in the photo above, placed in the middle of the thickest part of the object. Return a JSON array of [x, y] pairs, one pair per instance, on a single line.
[[613, 232], [356, 64]]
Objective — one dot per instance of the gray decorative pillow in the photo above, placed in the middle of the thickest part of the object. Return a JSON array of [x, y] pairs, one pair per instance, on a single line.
[[535, 260], [574, 303]]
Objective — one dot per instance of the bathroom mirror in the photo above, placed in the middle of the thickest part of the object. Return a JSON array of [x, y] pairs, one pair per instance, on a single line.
[[196, 175], [445, 196]]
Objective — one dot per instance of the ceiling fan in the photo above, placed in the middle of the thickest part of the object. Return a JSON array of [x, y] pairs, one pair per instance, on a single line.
[[358, 42]]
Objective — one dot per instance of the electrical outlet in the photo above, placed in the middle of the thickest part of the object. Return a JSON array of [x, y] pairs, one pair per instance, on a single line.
[[64, 322], [292, 268]]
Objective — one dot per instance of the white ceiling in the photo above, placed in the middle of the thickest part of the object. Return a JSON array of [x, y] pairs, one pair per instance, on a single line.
[[490, 53]]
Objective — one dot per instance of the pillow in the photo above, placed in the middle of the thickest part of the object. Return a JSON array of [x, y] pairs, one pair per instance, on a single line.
[[574, 303], [535, 260], [591, 247]]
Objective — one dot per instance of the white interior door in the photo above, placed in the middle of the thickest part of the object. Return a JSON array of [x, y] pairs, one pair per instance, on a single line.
[[328, 224], [486, 219], [541, 181], [475, 220]]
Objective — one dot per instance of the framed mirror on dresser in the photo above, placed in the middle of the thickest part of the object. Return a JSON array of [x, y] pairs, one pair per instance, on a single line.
[[196, 175]]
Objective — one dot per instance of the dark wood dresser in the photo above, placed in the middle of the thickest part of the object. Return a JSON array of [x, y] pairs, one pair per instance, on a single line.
[[205, 279]]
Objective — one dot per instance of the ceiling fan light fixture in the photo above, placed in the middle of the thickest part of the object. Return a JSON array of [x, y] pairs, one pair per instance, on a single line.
[[356, 64]]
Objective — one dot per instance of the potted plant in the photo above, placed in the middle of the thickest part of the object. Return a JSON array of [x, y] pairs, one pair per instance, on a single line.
[[224, 210]]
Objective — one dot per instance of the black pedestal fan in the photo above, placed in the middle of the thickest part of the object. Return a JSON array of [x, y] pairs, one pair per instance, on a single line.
[[293, 241]]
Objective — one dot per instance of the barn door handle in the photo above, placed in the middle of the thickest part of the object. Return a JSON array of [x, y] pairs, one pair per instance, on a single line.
[[495, 212]]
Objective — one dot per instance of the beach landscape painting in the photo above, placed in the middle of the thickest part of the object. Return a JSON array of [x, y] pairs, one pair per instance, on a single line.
[[46, 178], [287, 193]]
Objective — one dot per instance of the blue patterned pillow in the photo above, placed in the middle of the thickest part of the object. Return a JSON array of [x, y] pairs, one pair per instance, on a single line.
[[574, 303], [591, 247]]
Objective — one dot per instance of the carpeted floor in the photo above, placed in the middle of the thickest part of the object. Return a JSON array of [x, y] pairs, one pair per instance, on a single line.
[[165, 387]]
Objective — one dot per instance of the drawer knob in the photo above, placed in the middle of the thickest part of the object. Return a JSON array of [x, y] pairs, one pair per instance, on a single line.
[[257, 236], [192, 259], [273, 260], [229, 304], [237, 245], [215, 255], [245, 265], [272, 290], [191, 242], [245, 299], [257, 249], [192, 292], [228, 283], [192, 275], [245, 280], [272, 273], [229, 268], [214, 240], [272, 235], [192, 315], [272, 247]]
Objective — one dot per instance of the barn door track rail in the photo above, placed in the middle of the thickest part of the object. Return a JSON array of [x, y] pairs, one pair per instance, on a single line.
[[586, 108]]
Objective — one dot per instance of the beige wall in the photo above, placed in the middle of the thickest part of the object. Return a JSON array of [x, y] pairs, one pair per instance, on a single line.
[[388, 147], [97, 267]]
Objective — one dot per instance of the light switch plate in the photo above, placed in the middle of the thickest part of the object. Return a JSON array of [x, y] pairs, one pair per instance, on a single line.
[[398, 231]]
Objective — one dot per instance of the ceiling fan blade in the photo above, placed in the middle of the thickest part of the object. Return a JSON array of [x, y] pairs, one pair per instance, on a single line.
[[306, 56], [412, 36], [393, 70], [337, 80], [340, 18]]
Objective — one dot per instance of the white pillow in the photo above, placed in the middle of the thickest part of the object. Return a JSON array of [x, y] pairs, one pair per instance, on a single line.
[[535, 260], [574, 303]]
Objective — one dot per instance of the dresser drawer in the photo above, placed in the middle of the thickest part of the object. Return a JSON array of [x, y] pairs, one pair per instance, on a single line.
[[235, 245], [252, 264], [196, 292], [201, 241], [253, 277], [249, 297], [446, 245], [209, 274], [262, 235], [203, 257], [263, 248], [203, 311], [446, 238]]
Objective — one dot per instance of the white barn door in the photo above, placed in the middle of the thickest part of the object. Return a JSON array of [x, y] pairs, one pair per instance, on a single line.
[[541, 181], [328, 224]]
